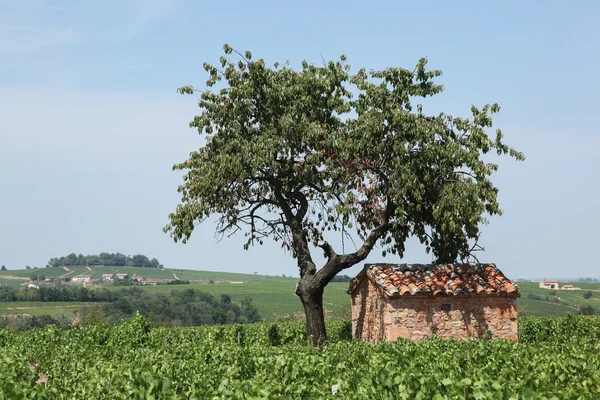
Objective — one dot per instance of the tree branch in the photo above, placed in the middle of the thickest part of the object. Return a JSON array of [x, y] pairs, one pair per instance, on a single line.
[[328, 250], [339, 263], [301, 213]]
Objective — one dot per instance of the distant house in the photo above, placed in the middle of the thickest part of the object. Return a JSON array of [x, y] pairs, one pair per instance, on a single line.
[[138, 279], [570, 287], [151, 282], [82, 278], [108, 277], [122, 276], [32, 286], [391, 301], [49, 279], [549, 284]]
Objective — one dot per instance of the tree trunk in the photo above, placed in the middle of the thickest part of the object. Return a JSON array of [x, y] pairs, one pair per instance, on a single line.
[[312, 300]]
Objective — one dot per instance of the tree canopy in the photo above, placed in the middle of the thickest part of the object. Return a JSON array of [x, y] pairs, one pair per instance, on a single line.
[[293, 154], [106, 259]]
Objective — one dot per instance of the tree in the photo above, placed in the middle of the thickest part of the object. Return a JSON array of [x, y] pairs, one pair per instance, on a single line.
[[587, 310], [54, 262], [587, 295], [302, 156], [3, 268], [71, 259]]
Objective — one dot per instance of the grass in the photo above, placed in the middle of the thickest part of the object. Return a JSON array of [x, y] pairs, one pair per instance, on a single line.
[[41, 308], [570, 296], [274, 296], [148, 273], [11, 282], [274, 300], [536, 308]]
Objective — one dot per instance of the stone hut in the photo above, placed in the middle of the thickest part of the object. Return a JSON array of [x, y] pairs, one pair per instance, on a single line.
[[391, 301]]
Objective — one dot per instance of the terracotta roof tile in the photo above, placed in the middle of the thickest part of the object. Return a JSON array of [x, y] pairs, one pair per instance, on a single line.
[[425, 280]]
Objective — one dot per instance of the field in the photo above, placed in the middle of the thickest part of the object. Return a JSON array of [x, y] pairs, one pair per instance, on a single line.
[[556, 358], [274, 300], [274, 296], [40, 308], [151, 273], [526, 306]]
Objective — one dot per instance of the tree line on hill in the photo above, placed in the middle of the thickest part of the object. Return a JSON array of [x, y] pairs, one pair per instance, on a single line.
[[104, 259], [189, 307], [341, 278], [66, 293]]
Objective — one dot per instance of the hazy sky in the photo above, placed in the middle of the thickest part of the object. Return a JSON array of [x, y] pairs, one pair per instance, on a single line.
[[90, 123]]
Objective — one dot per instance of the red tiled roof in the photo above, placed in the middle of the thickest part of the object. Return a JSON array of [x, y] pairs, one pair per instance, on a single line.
[[396, 280]]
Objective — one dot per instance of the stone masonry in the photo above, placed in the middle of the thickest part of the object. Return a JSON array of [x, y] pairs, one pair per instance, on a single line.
[[378, 316]]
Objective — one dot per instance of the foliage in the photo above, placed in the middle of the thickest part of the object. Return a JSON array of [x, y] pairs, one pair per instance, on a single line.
[[3, 268], [181, 308], [106, 259], [555, 358], [178, 308], [341, 278], [23, 322], [123, 282], [588, 310], [587, 295], [550, 299], [587, 280], [58, 292], [292, 155], [559, 330], [178, 282], [298, 143]]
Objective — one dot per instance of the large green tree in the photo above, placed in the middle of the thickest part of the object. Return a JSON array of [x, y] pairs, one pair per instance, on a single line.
[[293, 154]]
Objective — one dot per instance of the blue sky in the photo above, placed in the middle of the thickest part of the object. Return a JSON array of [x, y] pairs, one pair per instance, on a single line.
[[90, 123]]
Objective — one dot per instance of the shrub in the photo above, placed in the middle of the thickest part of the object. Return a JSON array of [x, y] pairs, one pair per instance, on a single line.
[[587, 295], [588, 310]]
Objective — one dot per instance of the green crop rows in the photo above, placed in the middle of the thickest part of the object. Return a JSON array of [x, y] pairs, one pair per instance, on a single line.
[[556, 358]]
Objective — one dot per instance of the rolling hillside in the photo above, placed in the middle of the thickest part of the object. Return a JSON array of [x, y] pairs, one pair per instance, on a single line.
[[16, 277], [274, 296]]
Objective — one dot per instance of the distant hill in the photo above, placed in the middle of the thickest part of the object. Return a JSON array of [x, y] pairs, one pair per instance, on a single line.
[[274, 295], [559, 303], [162, 274]]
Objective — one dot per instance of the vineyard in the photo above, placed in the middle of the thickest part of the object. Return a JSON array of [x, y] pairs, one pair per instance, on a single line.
[[556, 358]]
